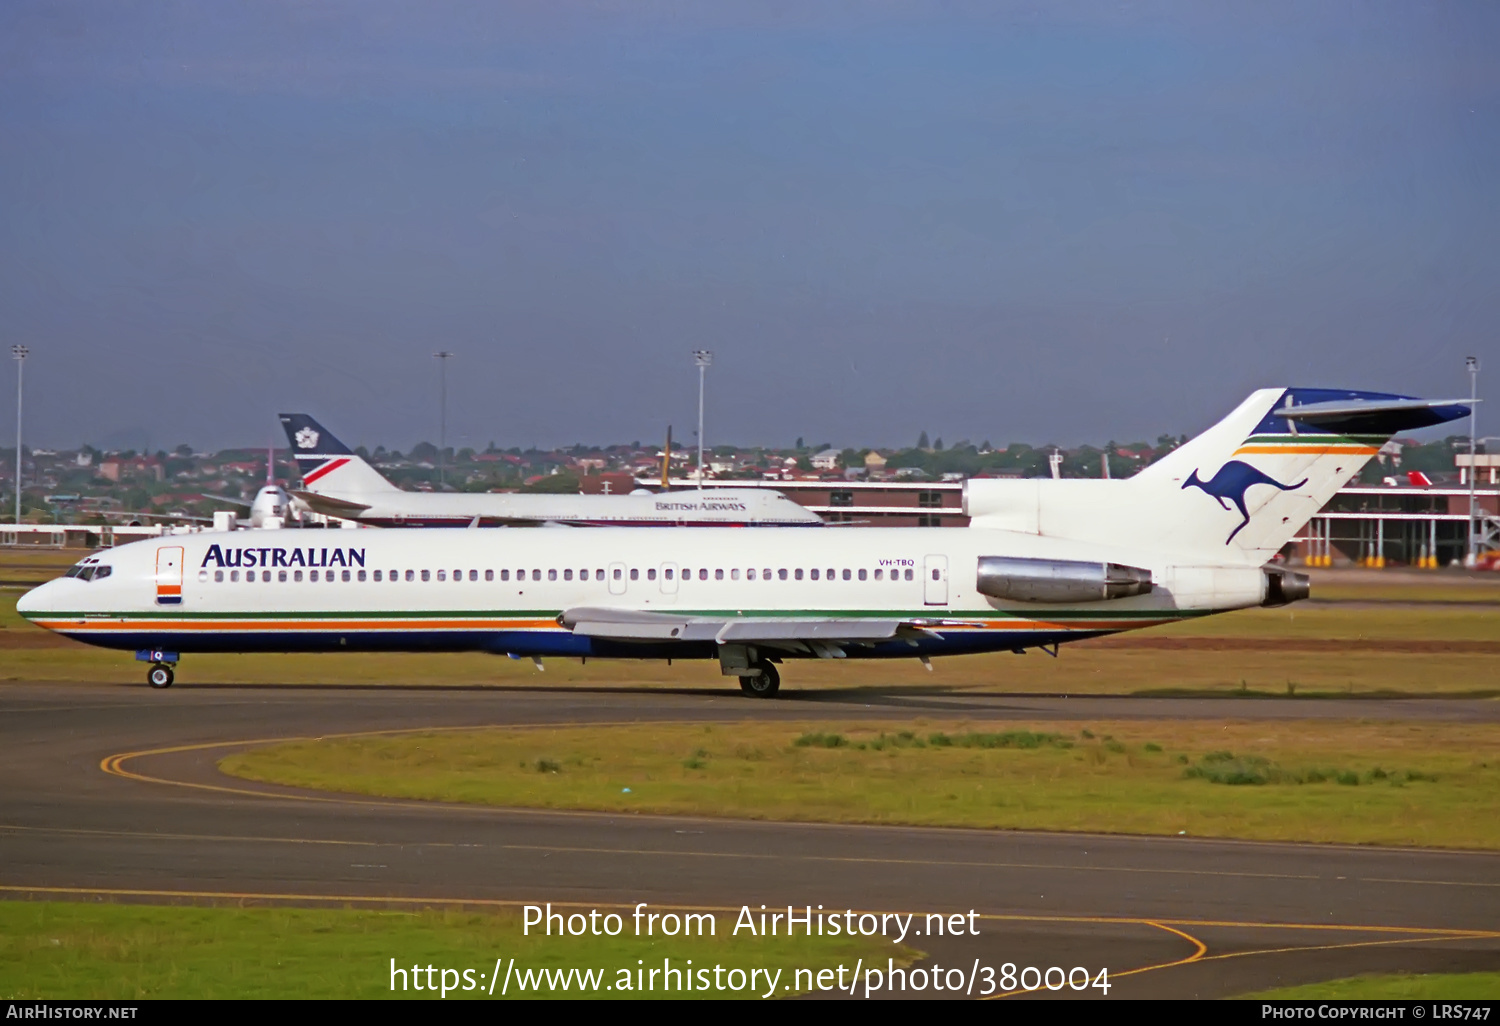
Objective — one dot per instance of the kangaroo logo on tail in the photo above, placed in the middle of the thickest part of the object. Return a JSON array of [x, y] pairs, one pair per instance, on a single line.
[[1231, 482]]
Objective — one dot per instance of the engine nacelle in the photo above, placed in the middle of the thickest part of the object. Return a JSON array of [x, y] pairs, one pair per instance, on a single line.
[[1284, 587], [1017, 579]]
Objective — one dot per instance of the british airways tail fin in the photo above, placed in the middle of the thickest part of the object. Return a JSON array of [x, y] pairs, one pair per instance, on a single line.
[[327, 464], [1234, 494]]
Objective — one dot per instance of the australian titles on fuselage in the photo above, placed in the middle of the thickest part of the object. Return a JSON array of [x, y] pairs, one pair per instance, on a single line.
[[281, 556]]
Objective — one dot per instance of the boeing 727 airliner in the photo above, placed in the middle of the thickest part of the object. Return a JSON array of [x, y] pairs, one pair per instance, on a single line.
[[1043, 563]]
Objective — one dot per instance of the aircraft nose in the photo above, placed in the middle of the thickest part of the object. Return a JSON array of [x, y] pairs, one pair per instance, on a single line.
[[35, 602]]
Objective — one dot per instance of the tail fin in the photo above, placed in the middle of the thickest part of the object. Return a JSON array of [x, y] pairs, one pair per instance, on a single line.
[[326, 463], [1235, 494], [1248, 484]]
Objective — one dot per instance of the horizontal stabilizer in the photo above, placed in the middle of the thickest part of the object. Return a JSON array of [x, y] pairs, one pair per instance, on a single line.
[[1374, 416]]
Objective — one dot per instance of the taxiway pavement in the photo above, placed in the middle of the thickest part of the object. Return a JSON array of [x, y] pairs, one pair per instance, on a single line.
[[1196, 918]]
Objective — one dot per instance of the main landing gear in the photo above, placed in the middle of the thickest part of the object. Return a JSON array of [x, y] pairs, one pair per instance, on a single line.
[[160, 676], [764, 683]]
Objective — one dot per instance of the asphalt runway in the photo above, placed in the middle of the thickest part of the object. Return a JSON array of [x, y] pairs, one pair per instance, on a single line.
[[91, 805]]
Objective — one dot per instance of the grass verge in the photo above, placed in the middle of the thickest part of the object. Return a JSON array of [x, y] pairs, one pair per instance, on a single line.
[[1393, 987], [65, 950], [1408, 784]]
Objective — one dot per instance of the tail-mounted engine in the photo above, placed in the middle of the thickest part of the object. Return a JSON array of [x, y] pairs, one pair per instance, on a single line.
[[1017, 579]]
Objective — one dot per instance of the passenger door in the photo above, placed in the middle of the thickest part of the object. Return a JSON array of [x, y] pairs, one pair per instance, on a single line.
[[935, 580], [169, 575]]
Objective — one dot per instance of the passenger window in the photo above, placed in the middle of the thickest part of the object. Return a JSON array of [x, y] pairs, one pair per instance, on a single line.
[[536, 575], [442, 575], [474, 575], [619, 574], [297, 576], [935, 574], [814, 573], [781, 575], [598, 575], [583, 575], [766, 574], [345, 576], [635, 575], [265, 577], [281, 577], [567, 575], [829, 573], [651, 574], [797, 574], [669, 574], [489, 575], [908, 573], [846, 575], [879, 574], [718, 575], [411, 575], [551, 575], [234, 576], [202, 576], [750, 575], [426, 575], [218, 576], [702, 573], [734, 575], [361, 575], [378, 576], [863, 574]]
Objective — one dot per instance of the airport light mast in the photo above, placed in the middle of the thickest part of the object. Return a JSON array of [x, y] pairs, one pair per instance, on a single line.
[[442, 357], [704, 358], [20, 353], [1472, 364]]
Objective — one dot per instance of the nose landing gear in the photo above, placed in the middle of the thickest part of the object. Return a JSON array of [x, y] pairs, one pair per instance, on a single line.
[[160, 675]]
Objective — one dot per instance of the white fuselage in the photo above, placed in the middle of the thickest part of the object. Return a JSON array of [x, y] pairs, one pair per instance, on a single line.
[[505, 590], [722, 507]]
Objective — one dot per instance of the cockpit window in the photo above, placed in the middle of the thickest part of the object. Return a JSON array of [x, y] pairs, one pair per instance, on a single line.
[[101, 572], [87, 571]]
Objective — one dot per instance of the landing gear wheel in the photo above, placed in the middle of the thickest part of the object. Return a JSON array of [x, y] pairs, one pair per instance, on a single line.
[[765, 684], [160, 676]]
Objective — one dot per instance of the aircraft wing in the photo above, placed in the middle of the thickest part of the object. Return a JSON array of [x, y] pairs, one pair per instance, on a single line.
[[820, 635], [331, 507]]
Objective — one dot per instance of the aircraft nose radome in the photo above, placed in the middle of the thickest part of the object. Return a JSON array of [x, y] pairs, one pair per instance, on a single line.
[[33, 603]]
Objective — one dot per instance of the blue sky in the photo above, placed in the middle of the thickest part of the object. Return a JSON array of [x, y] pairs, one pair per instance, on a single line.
[[1031, 222]]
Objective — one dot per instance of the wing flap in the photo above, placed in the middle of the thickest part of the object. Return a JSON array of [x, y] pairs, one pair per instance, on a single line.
[[640, 625]]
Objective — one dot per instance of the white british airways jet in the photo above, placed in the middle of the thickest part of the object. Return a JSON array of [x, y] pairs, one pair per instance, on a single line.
[[1044, 562], [337, 482]]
